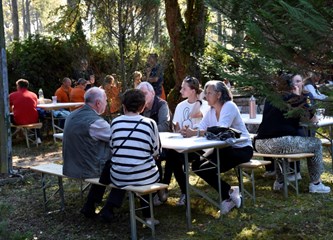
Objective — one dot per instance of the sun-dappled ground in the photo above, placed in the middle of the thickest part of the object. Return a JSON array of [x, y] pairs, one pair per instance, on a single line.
[[22, 216]]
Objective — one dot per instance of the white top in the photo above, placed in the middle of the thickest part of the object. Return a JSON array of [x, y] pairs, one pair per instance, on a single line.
[[316, 94], [182, 114], [229, 117]]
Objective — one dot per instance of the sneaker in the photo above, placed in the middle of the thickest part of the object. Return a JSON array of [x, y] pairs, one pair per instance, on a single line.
[[39, 141], [268, 174], [157, 201], [235, 196], [277, 186], [152, 221], [291, 177], [226, 206], [182, 200], [319, 188]]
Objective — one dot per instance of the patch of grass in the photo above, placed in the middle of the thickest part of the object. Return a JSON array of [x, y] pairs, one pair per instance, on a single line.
[[307, 216]]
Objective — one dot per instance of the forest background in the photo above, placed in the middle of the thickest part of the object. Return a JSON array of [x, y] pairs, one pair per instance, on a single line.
[[247, 42]]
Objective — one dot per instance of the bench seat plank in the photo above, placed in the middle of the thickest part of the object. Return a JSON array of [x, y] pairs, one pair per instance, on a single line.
[[290, 155]]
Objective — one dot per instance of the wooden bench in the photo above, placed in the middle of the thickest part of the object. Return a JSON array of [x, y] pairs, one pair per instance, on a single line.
[[283, 161], [243, 170], [56, 170], [29, 131]]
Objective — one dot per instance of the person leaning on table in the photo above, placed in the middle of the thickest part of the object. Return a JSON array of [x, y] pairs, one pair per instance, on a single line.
[[224, 113], [85, 147], [277, 134]]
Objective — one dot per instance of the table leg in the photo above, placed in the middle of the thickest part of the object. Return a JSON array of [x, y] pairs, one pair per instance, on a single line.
[[188, 199], [53, 127], [219, 180]]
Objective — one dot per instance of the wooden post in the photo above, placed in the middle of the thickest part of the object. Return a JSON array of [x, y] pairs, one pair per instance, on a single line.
[[5, 134]]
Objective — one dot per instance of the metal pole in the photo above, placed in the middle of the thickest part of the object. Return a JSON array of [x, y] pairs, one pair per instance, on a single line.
[[5, 134]]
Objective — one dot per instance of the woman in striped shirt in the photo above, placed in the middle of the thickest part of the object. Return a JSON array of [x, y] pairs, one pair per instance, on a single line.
[[135, 144]]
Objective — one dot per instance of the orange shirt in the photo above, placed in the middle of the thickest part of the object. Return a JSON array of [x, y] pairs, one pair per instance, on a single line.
[[24, 106], [76, 95], [63, 94], [114, 102]]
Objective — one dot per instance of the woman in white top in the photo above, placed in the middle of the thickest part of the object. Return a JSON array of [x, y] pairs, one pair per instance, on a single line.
[[224, 113], [310, 86], [188, 113]]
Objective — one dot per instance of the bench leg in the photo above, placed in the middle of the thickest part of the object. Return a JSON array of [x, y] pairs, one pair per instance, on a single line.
[[132, 215], [25, 132], [44, 191], [61, 193]]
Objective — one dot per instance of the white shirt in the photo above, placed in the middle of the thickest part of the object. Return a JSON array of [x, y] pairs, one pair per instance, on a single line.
[[182, 114], [229, 117]]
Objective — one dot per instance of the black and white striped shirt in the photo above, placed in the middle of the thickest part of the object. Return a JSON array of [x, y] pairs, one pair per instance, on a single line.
[[133, 163]]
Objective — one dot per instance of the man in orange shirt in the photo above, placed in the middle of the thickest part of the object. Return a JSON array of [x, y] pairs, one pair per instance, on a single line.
[[64, 91], [77, 93]]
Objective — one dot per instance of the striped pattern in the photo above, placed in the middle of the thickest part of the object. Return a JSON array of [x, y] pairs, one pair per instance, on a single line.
[[133, 163]]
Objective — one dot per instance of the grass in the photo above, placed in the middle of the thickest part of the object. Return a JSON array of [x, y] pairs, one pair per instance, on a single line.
[[22, 216]]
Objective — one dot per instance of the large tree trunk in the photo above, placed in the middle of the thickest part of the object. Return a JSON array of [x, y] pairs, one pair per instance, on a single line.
[[187, 39], [15, 20]]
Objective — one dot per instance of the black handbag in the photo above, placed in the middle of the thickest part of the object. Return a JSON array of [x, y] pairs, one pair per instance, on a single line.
[[105, 175], [221, 133]]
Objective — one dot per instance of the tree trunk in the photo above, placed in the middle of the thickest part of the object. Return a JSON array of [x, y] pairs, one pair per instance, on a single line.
[[15, 20], [121, 44], [24, 19], [187, 39], [27, 16]]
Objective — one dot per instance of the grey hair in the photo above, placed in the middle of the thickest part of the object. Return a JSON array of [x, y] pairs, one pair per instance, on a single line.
[[147, 85], [93, 94], [219, 86]]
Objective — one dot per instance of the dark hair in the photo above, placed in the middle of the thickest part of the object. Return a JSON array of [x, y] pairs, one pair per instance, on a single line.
[[22, 83], [81, 81], [220, 86], [133, 100], [193, 83]]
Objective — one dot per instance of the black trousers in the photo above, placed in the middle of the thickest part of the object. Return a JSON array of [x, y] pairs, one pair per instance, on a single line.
[[175, 164], [229, 158]]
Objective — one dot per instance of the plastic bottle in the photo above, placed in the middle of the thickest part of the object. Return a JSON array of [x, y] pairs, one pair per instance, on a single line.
[[252, 107], [41, 95]]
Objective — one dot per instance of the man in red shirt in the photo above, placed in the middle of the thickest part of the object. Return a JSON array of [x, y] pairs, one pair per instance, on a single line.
[[23, 104]]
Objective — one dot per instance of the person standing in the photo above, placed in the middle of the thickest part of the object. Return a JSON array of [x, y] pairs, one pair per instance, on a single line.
[[85, 147], [85, 72], [154, 74]]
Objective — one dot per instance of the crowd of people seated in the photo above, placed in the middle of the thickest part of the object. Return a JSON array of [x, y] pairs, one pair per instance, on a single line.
[[126, 149]]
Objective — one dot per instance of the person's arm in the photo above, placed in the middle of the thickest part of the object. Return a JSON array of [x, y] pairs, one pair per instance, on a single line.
[[157, 142], [314, 93], [100, 130], [163, 118]]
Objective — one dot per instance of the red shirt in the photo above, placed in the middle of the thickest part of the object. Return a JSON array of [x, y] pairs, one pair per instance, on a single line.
[[24, 106]]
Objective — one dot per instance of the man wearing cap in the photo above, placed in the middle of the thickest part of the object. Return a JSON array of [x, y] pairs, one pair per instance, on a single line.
[[85, 146], [77, 93]]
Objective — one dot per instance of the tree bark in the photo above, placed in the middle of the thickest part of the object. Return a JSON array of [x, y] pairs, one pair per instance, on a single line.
[[15, 20], [27, 16], [187, 39]]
